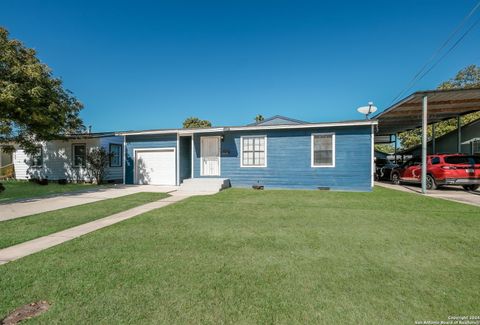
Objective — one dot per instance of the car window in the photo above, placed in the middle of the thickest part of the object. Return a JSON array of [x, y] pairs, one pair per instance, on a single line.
[[470, 160], [381, 162], [435, 160]]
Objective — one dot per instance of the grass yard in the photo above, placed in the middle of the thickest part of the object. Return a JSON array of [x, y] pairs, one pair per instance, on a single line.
[[16, 190], [19, 230], [244, 256]]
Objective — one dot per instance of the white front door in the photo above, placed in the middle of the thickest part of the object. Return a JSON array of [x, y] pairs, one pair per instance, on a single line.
[[210, 156]]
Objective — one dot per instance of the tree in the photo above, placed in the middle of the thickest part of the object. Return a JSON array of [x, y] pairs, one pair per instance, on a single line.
[[385, 147], [33, 104], [259, 118], [195, 122], [97, 163], [468, 77]]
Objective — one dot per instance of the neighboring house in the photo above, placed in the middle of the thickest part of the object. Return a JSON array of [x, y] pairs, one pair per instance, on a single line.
[[66, 159], [448, 143], [6, 164], [277, 153], [5, 158]]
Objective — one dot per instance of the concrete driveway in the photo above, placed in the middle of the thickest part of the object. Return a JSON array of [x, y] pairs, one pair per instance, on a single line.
[[27, 207], [451, 193]]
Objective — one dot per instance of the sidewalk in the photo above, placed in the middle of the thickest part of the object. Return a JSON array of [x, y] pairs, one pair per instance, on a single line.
[[36, 245], [28, 207]]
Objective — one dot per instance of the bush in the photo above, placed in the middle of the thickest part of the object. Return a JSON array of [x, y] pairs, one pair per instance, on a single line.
[[97, 163]]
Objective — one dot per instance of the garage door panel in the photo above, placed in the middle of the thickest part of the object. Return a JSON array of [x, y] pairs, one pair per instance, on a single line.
[[156, 167]]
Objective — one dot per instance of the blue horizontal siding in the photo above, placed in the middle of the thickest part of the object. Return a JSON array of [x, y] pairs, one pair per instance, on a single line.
[[289, 160], [145, 141]]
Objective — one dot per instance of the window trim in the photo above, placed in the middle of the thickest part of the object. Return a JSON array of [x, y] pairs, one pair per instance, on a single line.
[[111, 156], [241, 151], [312, 150], [32, 159], [73, 155]]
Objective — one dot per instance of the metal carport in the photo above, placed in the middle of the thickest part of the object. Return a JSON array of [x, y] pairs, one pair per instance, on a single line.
[[426, 107]]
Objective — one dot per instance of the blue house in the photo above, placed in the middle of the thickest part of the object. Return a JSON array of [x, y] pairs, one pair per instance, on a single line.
[[279, 152]]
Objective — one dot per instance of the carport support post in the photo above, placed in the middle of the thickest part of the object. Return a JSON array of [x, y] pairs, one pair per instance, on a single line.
[[395, 149], [424, 145], [459, 134], [433, 139]]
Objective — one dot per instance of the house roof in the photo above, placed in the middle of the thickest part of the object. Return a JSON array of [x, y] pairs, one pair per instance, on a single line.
[[91, 135], [441, 105], [252, 128], [278, 120]]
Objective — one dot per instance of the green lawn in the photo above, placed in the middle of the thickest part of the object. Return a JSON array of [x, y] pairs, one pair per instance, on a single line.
[[244, 256], [19, 230], [15, 190]]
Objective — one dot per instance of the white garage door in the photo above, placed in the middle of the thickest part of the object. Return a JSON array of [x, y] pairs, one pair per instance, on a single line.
[[156, 167]]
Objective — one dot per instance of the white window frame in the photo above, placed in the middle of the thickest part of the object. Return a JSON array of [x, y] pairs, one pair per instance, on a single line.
[[312, 151], [73, 155], [241, 151]]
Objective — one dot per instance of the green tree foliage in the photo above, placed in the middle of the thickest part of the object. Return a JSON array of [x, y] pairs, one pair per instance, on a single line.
[[468, 77], [259, 118], [385, 147], [33, 104], [195, 122]]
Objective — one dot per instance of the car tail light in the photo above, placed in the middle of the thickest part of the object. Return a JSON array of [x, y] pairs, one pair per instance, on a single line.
[[449, 167]]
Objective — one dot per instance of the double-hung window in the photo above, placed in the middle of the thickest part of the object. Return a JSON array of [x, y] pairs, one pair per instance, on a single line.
[[254, 151], [323, 150], [79, 155], [115, 155], [37, 158]]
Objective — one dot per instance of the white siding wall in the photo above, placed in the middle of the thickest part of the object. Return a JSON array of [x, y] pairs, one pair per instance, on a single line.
[[57, 161]]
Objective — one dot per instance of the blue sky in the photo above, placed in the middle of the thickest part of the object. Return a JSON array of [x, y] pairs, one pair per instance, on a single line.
[[151, 64]]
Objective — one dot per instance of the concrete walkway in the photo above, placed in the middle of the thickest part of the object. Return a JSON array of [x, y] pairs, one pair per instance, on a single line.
[[28, 207], [451, 193], [36, 245]]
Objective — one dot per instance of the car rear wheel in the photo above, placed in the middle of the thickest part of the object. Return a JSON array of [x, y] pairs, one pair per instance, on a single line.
[[396, 179], [431, 184], [470, 187]]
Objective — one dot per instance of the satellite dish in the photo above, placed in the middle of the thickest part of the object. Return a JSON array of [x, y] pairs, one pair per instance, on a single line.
[[367, 110]]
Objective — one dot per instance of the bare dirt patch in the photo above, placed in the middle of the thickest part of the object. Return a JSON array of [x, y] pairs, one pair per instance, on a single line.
[[26, 312]]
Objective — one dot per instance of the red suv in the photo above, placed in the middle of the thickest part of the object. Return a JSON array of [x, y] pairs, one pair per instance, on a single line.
[[442, 169]]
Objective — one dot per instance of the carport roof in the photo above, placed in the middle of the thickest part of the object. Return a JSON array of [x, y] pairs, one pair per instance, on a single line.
[[442, 104]]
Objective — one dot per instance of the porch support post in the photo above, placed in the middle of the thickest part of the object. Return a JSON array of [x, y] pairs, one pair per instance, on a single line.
[[434, 149], [177, 159], [424, 145], [459, 134]]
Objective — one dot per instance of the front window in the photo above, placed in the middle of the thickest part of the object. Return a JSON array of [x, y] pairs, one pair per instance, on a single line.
[[323, 150], [115, 155], [37, 158], [254, 151], [79, 153]]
